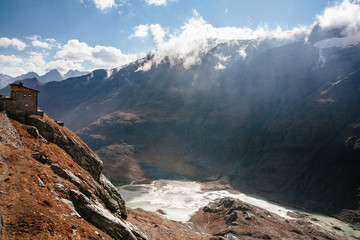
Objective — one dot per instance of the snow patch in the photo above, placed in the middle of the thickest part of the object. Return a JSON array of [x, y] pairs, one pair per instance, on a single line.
[[145, 67], [343, 42], [242, 52], [219, 66], [321, 60], [221, 57]]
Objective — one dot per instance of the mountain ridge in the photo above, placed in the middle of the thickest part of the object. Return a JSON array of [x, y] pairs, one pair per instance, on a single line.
[[52, 75]]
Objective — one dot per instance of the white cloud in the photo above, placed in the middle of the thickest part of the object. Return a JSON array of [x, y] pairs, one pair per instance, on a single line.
[[156, 2], [34, 37], [142, 31], [35, 62], [37, 43], [10, 60], [342, 15], [37, 58], [15, 65], [104, 4], [63, 66], [74, 55], [50, 40], [158, 33], [110, 56], [16, 43], [196, 37], [76, 51]]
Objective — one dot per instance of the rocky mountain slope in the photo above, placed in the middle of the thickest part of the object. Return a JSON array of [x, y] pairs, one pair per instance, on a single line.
[[54, 187], [280, 119]]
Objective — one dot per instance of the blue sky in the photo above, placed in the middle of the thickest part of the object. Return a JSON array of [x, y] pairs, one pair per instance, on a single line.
[[39, 35]]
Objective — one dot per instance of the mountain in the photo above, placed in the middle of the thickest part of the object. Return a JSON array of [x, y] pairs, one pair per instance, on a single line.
[[279, 119], [5, 80], [74, 73], [27, 75], [53, 75]]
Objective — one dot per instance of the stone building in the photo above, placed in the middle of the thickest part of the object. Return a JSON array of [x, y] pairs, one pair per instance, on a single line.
[[22, 101]]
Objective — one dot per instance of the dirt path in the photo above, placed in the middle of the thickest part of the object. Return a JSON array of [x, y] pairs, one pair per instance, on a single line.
[[4, 169]]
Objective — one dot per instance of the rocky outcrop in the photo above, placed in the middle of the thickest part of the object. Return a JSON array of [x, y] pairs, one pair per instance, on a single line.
[[64, 173], [229, 218], [8, 134], [100, 217], [81, 153]]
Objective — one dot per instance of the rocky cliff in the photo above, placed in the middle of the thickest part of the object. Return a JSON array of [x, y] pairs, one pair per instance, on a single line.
[[54, 187]]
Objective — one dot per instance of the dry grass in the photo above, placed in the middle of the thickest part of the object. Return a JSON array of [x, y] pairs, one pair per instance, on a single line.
[[30, 211]]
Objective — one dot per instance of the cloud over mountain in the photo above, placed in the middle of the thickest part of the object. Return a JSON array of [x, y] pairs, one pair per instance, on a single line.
[[184, 45], [344, 16], [197, 36]]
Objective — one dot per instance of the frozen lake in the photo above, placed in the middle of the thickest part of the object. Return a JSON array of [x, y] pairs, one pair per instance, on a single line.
[[180, 199]]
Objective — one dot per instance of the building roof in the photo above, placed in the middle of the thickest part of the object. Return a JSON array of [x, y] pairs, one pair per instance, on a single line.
[[20, 85]]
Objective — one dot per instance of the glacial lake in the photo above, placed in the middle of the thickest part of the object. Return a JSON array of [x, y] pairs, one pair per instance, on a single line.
[[180, 199]]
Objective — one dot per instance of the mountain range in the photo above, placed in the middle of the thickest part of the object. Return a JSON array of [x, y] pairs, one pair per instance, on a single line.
[[53, 75], [277, 118]]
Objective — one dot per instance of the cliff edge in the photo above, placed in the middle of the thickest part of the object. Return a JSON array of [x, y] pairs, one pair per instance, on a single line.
[[54, 187]]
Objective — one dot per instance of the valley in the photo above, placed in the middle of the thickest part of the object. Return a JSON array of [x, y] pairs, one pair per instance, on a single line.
[[174, 119], [275, 123]]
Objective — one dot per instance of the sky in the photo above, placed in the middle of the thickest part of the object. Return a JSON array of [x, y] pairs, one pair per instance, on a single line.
[[40, 35]]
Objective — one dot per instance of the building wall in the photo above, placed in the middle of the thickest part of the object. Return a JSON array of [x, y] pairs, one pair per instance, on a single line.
[[25, 102], [21, 102]]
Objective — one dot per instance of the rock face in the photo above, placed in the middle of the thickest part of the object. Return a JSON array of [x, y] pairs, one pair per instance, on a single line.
[[81, 154], [54, 187], [229, 218], [96, 214]]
